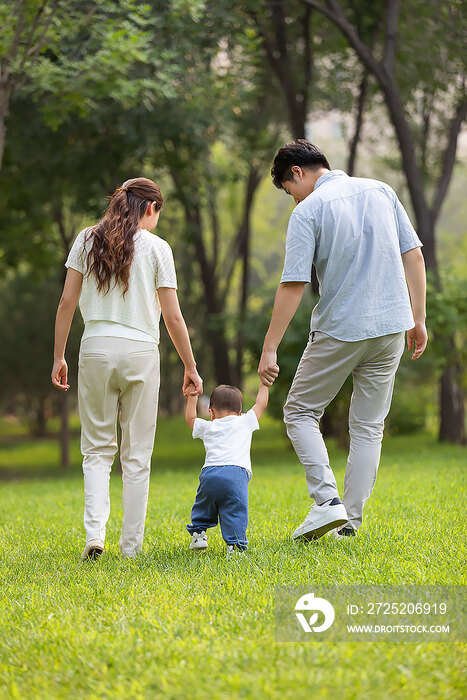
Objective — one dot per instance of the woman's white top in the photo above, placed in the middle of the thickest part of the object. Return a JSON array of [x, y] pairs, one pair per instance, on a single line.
[[114, 330], [152, 267]]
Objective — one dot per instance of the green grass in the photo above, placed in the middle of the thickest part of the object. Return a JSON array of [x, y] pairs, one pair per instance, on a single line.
[[174, 624]]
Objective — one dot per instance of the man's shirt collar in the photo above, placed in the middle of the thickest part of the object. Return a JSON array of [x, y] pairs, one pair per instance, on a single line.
[[328, 176]]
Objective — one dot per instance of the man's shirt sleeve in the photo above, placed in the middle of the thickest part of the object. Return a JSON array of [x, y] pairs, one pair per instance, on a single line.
[[408, 238], [299, 250]]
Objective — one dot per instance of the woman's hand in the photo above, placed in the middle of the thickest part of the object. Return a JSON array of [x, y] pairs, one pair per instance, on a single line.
[[192, 378], [60, 375]]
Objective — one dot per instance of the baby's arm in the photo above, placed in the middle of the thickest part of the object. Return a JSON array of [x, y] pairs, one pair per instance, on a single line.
[[191, 406], [261, 400]]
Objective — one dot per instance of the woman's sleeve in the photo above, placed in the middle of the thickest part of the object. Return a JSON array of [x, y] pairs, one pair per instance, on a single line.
[[76, 257], [165, 267]]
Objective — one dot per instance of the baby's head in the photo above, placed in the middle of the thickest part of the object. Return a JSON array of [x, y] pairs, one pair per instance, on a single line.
[[225, 400]]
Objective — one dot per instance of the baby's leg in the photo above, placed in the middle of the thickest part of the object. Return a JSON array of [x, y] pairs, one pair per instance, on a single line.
[[204, 512], [233, 505]]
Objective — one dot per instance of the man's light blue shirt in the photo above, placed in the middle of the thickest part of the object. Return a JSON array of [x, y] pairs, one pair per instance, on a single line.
[[354, 230]]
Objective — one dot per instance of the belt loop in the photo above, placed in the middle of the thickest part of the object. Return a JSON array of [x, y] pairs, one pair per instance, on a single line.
[[312, 336]]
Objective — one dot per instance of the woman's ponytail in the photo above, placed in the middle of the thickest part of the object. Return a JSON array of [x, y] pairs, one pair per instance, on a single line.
[[112, 249]]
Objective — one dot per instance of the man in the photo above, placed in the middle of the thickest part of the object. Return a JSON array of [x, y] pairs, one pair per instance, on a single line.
[[360, 239]]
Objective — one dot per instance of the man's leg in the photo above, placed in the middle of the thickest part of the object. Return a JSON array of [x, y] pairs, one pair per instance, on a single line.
[[371, 399], [323, 368]]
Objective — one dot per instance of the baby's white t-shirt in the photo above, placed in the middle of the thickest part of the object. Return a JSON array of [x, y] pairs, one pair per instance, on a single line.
[[227, 440], [152, 267]]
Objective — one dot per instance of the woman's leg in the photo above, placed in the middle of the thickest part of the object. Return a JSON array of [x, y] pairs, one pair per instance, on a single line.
[[139, 384], [97, 397]]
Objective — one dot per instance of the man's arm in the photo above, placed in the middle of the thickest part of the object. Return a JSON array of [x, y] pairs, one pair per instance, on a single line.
[[178, 332], [262, 398], [190, 411], [414, 266], [288, 297], [65, 312]]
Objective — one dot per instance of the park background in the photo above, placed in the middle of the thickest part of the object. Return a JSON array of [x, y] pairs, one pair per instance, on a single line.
[[198, 96]]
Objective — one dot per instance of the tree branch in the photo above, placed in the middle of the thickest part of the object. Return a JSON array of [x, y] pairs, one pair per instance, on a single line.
[[389, 51], [34, 49], [19, 28], [334, 12], [449, 158]]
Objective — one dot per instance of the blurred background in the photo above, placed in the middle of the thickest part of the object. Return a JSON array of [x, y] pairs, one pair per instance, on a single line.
[[198, 95]]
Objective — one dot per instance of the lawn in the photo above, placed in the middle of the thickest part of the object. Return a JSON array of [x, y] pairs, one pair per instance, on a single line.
[[175, 624]]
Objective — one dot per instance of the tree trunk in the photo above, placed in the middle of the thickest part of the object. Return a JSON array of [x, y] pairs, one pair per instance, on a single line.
[[358, 124], [4, 108], [252, 184], [216, 325], [40, 427], [64, 430], [452, 423]]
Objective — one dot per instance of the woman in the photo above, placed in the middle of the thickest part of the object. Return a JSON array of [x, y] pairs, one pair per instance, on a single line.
[[124, 277]]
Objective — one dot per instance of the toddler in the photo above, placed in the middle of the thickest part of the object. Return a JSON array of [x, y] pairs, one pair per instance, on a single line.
[[223, 483]]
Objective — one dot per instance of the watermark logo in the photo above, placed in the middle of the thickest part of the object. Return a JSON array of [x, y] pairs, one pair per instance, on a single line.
[[309, 604], [364, 613]]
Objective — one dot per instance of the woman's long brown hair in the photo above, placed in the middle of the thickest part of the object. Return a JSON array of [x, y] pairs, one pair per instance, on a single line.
[[112, 250]]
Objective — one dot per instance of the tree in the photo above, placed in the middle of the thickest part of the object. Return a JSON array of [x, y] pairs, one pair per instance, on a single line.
[[75, 52]]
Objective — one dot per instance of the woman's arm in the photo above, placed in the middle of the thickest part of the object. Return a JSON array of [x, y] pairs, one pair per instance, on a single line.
[[178, 332], [65, 311]]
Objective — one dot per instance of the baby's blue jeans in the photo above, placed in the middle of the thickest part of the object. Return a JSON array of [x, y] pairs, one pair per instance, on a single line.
[[222, 496]]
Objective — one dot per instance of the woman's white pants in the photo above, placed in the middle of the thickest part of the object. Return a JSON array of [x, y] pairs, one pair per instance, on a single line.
[[117, 376]]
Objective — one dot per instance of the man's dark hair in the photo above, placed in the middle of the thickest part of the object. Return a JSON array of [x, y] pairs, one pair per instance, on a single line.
[[226, 398], [300, 152]]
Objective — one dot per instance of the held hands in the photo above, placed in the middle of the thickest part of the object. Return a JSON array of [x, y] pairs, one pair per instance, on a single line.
[[417, 339], [192, 383], [268, 368], [60, 375]]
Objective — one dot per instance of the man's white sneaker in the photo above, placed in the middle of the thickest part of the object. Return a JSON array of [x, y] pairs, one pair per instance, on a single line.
[[93, 549], [321, 519], [199, 540], [344, 533]]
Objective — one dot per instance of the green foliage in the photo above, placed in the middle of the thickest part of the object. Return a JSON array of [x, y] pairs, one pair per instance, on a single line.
[[447, 320], [28, 304]]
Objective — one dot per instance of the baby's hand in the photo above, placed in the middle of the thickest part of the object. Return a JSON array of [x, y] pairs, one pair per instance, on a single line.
[[190, 390]]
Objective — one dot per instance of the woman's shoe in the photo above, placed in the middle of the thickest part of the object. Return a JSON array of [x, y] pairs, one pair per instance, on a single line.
[[93, 549]]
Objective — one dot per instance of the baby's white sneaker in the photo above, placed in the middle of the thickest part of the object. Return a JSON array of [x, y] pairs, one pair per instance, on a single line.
[[233, 551], [199, 540]]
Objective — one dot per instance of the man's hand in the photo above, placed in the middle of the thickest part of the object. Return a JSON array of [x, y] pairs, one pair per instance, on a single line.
[[417, 339], [192, 383], [60, 375], [268, 368]]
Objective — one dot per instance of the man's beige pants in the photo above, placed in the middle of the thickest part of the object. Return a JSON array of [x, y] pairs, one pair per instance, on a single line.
[[325, 365], [117, 375]]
